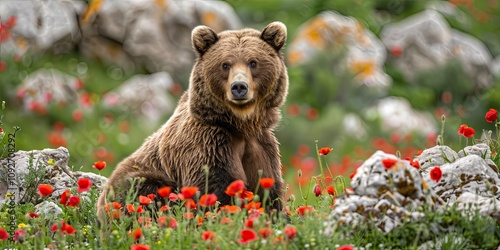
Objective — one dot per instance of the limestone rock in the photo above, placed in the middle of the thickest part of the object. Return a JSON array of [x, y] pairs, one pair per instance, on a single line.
[[436, 156], [470, 173], [48, 209], [425, 40], [150, 33], [49, 166], [145, 95], [396, 114], [41, 26], [365, 52], [388, 197], [43, 86]]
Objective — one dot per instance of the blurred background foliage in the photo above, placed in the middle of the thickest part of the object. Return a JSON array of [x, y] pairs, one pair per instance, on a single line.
[[321, 94]]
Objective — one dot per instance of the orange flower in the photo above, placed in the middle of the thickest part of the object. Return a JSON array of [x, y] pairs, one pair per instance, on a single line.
[[99, 165], [389, 162], [45, 189], [137, 234], [235, 188], [330, 190], [164, 191], [164, 221], [84, 185], [265, 232], [188, 192], [324, 151], [491, 115], [290, 232], [252, 205], [247, 235], [143, 200], [188, 215], [207, 200], [207, 235], [230, 209], [436, 174], [139, 247], [246, 195], [267, 183], [190, 204], [305, 210]]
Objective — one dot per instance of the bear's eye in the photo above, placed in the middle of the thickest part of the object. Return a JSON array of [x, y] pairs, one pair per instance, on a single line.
[[253, 64], [225, 66]]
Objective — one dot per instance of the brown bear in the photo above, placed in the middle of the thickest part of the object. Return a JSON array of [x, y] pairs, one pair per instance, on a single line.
[[225, 121]]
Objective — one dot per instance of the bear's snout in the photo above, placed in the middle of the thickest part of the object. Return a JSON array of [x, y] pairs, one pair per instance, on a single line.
[[239, 89]]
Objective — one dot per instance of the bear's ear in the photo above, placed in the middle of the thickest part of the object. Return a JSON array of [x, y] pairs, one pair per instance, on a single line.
[[274, 34], [203, 38]]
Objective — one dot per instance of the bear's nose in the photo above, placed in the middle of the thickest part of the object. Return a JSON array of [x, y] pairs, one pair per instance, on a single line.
[[239, 89]]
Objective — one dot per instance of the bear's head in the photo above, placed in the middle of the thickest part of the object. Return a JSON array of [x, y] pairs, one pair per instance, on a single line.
[[243, 71]]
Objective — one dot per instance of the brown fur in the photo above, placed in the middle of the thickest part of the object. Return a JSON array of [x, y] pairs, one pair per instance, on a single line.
[[234, 138]]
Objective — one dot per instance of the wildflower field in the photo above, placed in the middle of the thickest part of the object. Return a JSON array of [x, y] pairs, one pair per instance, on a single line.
[[358, 174]]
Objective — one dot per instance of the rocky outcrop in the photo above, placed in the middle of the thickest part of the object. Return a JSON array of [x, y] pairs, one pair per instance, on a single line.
[[425, 41], [47, 166], [389, 195]]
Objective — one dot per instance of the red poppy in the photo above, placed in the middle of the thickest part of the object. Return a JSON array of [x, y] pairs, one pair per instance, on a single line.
[[137, 233], [3, 234], [74, 201], [345, 247], [353, 174], [77, 115], [164, 221], [317, 190], [247, 235], [84, 185], [290, 232], [208, 200], [235, 188], [207, 235], [19, 235], [65, 197], [190, 204], [305, 210], [491, 115], [188, 192], [99, 165], [1, 129], [324, 151], [3, 67], [436, 174], [249, 223], [33, 215], [265, 232], [68, 229], [230, 209], [164, 191], [151, 196], [396, 51], [469, 132], [330, 190], [45, 189], [461, 129], [252, 205], [139, 247], [143, 200], [389, 162], [267, 183]]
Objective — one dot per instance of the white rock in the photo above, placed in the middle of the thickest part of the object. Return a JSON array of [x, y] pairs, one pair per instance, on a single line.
[[48, 209], [49, 166], [42, 26], [144, 95], [396, 114], [427, 41], [436, 156]]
